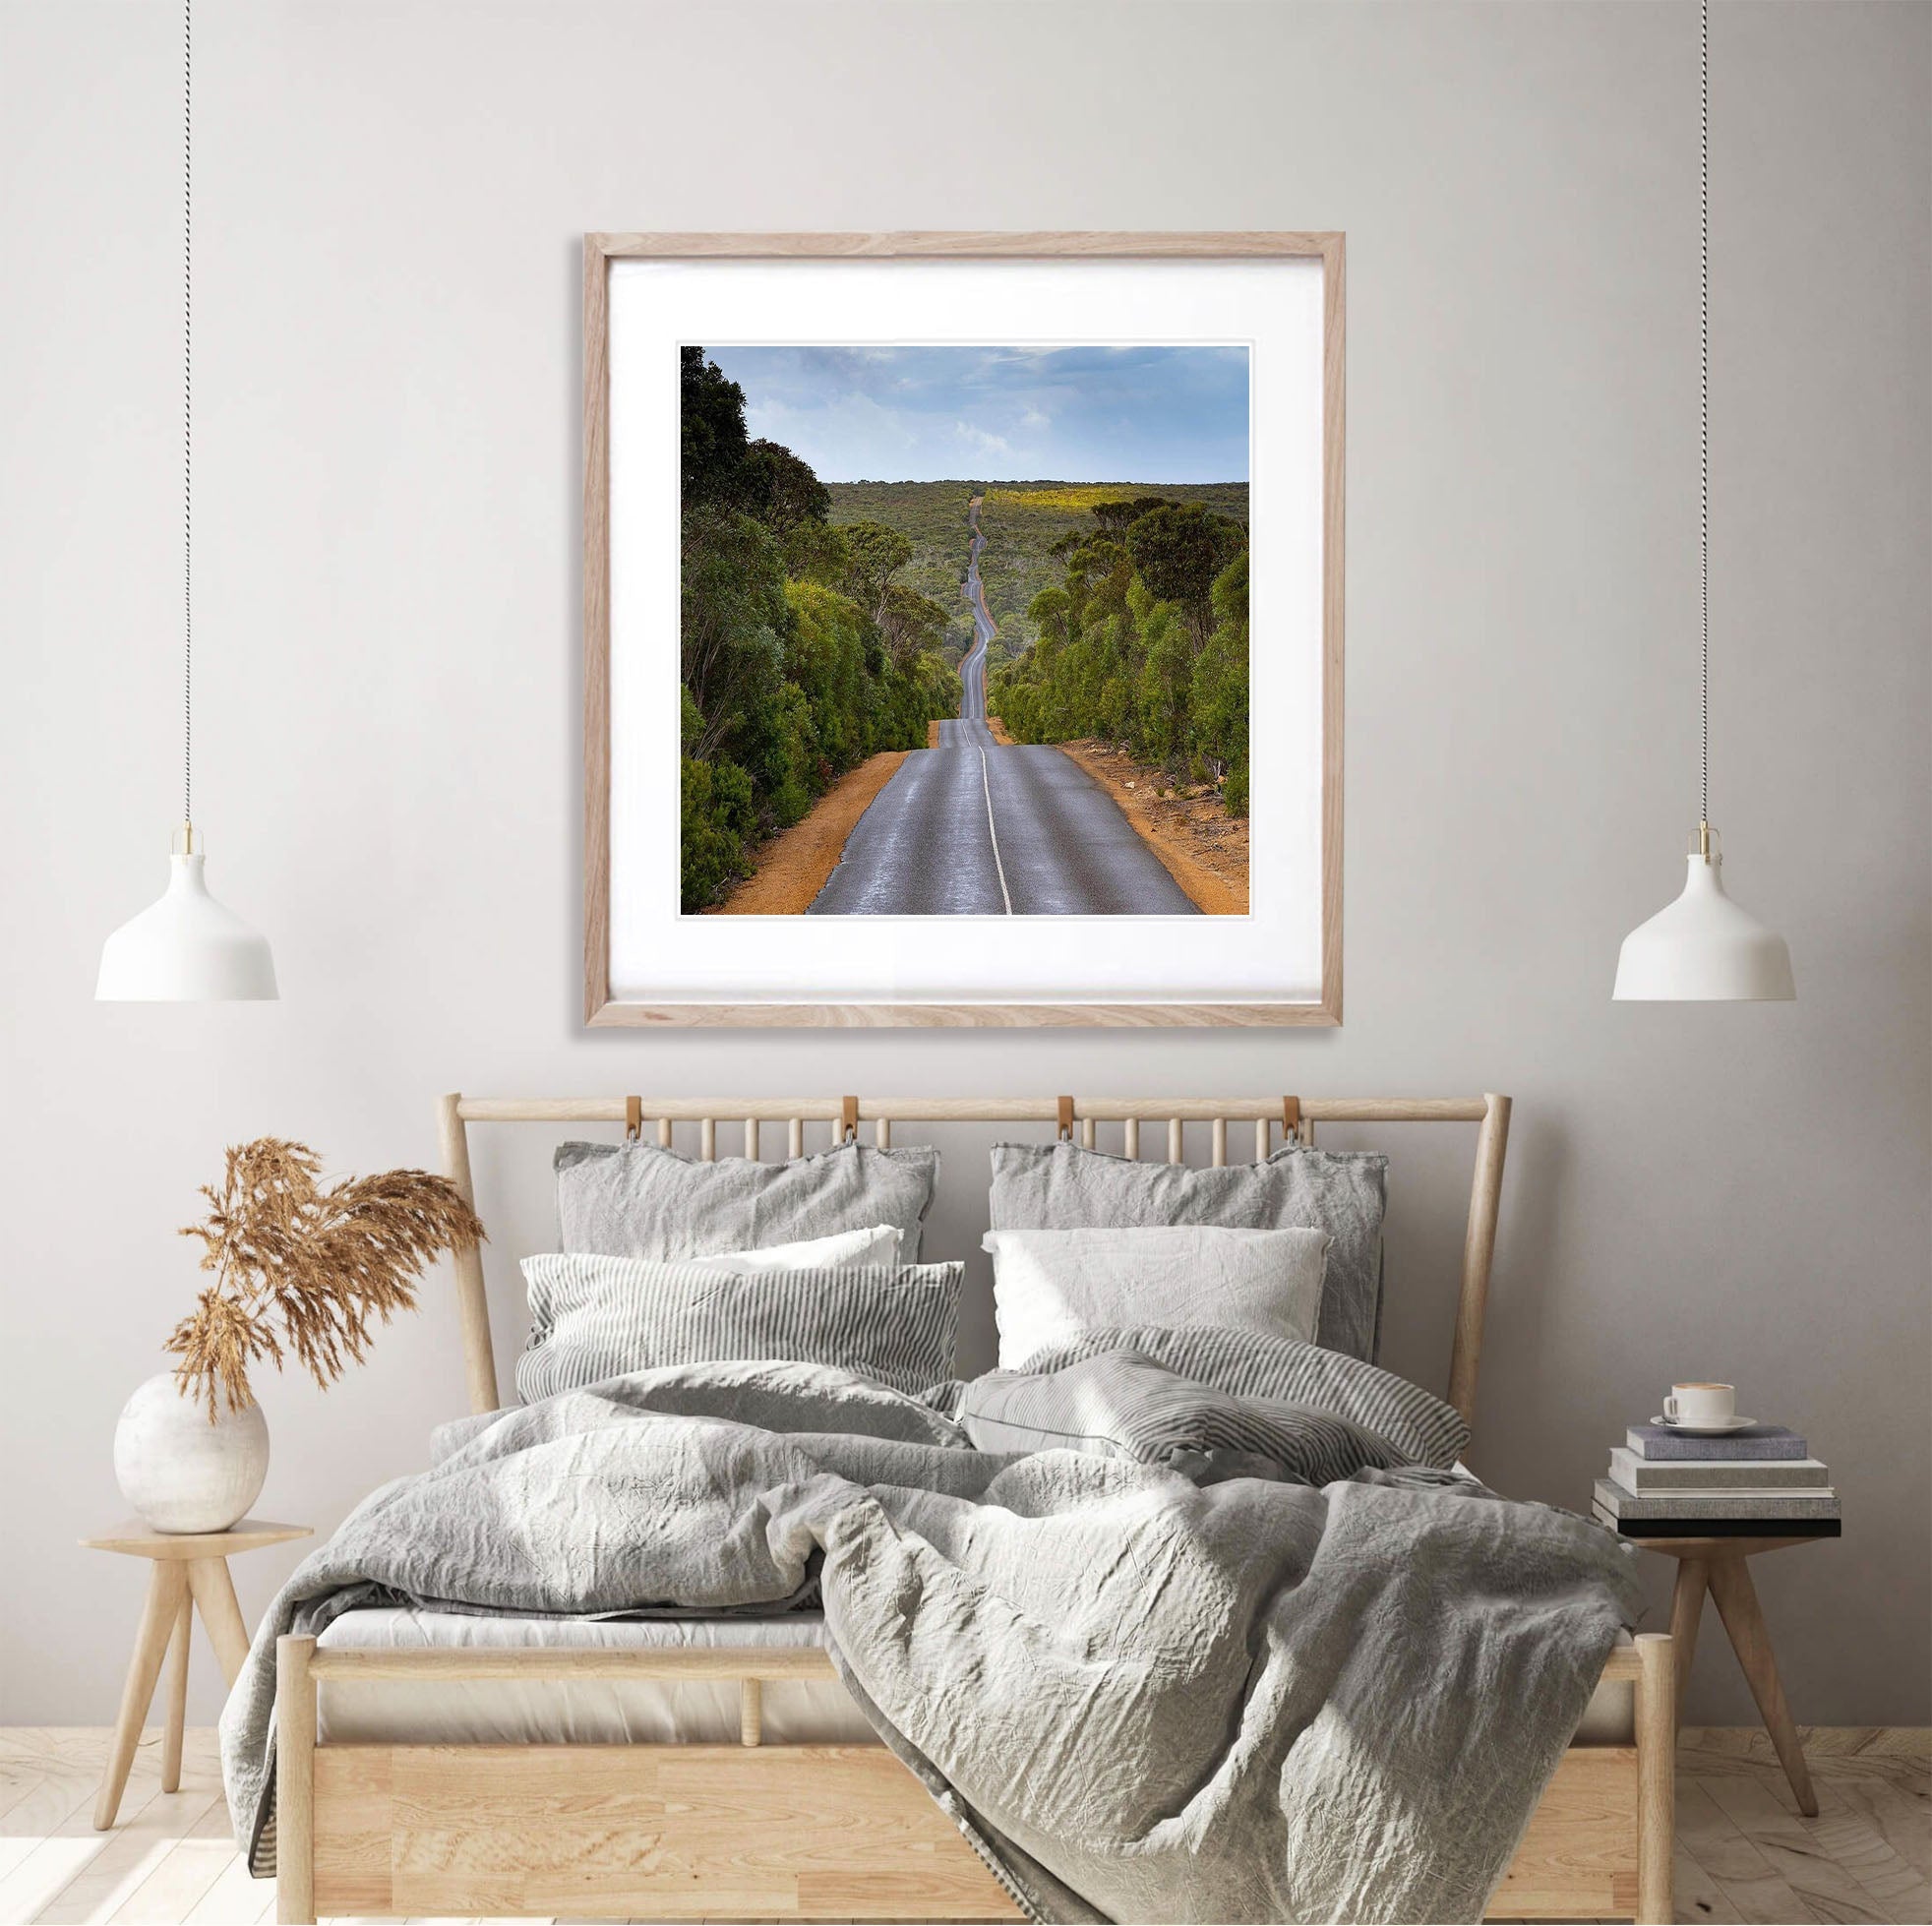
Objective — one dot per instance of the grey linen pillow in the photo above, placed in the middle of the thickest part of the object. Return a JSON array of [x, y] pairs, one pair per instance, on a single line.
[[637, 1200], [593, 1318], [1266, 1376], [1066, 1187]]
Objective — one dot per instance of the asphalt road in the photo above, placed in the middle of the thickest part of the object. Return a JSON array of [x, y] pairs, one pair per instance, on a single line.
[[976, 828]]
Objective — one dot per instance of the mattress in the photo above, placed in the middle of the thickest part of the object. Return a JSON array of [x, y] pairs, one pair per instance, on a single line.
[[639, 1712], [576, 1712]]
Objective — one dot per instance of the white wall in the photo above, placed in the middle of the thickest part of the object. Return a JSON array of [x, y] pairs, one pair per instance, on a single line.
[[389, 210]]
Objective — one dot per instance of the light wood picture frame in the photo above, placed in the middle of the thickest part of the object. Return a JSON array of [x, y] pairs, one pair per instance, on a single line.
[[707, 995]]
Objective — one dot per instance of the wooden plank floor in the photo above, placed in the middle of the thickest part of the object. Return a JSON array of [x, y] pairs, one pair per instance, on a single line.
[[1743, 1851]]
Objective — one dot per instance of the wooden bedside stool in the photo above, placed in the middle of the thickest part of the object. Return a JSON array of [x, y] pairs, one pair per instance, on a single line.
[[1717, 1565], [190, 1573]]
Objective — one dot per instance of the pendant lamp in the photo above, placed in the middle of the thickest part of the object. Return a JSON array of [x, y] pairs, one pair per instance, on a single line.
[[1704, 949], [186, 949]]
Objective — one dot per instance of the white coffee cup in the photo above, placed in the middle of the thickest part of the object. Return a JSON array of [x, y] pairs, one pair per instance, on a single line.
[[1701, 1404]]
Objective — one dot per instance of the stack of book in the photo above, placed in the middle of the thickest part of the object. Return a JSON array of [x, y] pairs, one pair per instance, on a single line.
[[1759, 1481]]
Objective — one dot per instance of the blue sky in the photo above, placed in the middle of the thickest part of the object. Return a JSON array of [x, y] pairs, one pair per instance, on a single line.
[[1128, 414]]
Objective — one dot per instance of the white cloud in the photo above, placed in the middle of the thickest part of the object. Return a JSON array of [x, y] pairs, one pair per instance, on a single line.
[[980, 441]]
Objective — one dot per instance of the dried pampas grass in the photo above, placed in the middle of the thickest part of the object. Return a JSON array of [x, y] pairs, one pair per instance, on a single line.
[[308, 1271]]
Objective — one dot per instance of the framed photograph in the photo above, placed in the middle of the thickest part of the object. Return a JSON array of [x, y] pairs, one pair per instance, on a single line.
[[963, 628]]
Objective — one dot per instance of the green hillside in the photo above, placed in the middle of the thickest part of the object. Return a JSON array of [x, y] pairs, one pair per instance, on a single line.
[[1022, 521], [933, 515]]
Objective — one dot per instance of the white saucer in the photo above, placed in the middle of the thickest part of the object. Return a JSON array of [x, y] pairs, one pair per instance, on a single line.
[[1723, 1430]]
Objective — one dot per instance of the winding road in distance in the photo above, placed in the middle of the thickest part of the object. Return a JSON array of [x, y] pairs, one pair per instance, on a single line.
[[978, 827]]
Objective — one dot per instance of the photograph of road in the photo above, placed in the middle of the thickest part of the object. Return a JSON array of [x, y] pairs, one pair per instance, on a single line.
[[909, 694]]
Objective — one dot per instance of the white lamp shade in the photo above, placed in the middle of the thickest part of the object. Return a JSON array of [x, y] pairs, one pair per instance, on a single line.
[[1704, 950], [186, 950]]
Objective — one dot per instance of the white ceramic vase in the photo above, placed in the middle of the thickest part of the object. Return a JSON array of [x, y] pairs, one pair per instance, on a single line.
[[179, 1472]]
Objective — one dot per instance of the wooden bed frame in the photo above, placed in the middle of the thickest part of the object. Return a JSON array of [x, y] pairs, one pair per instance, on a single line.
[[810, 1831]]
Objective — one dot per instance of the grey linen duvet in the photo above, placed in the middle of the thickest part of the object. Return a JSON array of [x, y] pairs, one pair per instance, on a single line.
[[1139, 1698]]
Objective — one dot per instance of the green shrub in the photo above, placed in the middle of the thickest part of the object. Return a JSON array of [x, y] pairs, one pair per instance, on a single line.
[[1220, 692], [1158, 664], [718, 816]]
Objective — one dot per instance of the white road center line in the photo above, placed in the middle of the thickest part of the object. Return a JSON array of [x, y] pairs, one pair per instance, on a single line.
[[992, 830]]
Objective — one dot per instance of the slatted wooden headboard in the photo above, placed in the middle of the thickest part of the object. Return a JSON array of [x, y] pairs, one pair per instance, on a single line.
[[1295, 1117]]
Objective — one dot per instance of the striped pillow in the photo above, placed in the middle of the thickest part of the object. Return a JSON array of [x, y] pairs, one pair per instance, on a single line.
[[593, 1318], [1121, 1405], [1420, 1427]]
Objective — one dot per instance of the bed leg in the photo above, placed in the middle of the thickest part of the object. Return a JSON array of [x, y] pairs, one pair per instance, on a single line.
[[295, 1781], [1656, 1778], [750, 1710]]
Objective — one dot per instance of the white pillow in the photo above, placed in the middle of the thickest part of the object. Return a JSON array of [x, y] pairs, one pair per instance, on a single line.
[[843, 1250], [1049, 1286]]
